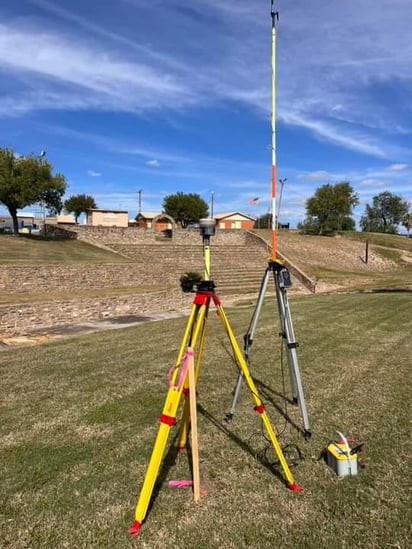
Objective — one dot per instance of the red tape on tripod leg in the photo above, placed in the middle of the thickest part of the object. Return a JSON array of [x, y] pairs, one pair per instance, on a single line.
[[259, 408], [295, 487], [134, 530], [169, 420]]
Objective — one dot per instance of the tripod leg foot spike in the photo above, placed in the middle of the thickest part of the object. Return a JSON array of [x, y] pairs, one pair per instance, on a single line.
[[134, 530], [295, 487], [307, 434]]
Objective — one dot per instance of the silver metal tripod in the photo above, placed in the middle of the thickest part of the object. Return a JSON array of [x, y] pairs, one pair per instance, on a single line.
[[282, 281]]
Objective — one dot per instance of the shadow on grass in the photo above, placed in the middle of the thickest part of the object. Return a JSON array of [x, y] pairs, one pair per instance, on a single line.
[[169, 459], [245, 446], [266, 393]]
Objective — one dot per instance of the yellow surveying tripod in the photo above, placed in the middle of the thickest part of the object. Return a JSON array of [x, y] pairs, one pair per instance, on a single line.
[[194, 337]]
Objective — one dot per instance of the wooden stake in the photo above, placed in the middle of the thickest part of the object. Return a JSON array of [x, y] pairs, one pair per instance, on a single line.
[[193, 424]]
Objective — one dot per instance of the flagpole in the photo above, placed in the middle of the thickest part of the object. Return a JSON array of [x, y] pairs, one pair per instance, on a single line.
[[274, 15]]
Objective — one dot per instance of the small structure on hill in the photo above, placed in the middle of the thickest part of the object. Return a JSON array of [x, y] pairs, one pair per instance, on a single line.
[[25, 221], [234, 220], [155, 220], [65, 219], [107, 218]]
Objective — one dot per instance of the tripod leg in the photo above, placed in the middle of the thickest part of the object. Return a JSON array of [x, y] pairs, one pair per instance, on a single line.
[[248, 340], [185, 422], [259, 407], [167, 418], [291, 346], [280, 297]]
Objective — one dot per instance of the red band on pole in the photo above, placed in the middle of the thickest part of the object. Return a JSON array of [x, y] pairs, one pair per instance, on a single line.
[[169, 420]]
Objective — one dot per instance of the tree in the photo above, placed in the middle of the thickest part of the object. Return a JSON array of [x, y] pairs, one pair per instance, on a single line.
[[185, 208], [27, 180], [78, 204], [330, 208], [386, 213], [263, 222], [407, 222]]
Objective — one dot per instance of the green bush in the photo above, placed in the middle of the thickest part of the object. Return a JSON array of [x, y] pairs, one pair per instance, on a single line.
[[189, 280]]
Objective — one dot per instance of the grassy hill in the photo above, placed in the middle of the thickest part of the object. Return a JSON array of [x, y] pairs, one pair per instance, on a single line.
[[339, 262], [41, 251], [334, 262]]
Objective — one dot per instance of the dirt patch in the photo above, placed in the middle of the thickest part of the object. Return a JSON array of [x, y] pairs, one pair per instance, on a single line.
[[406, 257], [18, 341], [69, 330]]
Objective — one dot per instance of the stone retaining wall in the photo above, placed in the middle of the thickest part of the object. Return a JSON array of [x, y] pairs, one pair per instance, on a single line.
[[104, 236], [23, 318], [36, 317], [31, 278], [303, 278]]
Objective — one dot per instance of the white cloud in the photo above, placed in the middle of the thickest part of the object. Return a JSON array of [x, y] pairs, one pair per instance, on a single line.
[[332, 76], [316, 175], [91, 77], [89, 25], [372, 183], [397, 167], [352, 139], [93, 173], [154, 163]]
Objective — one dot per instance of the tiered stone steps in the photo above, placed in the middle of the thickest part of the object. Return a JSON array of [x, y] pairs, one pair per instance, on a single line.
[[235, 269]]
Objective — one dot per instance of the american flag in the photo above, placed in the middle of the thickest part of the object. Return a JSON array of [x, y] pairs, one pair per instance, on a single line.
[[254, 200]]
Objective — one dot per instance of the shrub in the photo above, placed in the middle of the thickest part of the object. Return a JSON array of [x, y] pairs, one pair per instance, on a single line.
[[189, 280]]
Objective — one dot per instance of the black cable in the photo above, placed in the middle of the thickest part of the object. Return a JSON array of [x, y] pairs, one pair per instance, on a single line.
[[285, 400]]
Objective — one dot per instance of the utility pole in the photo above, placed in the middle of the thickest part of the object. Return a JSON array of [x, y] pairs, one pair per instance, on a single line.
[[282, 184], [139, 192], [211, 203], [42, 154]]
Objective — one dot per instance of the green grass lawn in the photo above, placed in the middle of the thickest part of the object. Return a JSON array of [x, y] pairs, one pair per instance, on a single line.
[[395, 248], [79, 417], [380, 239], [37, 250]]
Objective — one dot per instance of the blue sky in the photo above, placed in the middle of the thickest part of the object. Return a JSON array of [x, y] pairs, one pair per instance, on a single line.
[[175, 95]]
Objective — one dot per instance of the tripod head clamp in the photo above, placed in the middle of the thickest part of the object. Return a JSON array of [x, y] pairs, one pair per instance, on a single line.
[[274, 14], [207, 229]]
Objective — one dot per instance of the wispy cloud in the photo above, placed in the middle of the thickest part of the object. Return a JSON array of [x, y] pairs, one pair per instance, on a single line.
[[331, 94], [397, 167], [154, 163], [90, 76], [330, 132], [93, 173], [373, 183], [89, 25], [317, 175]]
